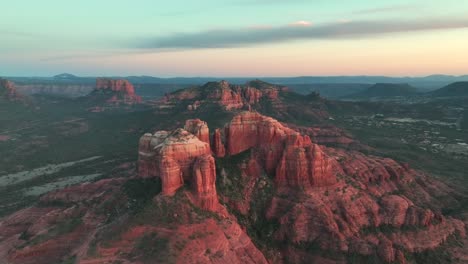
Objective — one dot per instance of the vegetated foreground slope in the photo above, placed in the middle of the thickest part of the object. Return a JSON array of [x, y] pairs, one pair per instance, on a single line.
[[242, 187]]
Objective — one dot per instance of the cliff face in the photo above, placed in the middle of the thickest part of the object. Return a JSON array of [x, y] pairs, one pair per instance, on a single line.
[[9, 91], [230, 97], [178, 157], [218, 146], [118, 91], [291, 158], [346, 198], [199, 129]]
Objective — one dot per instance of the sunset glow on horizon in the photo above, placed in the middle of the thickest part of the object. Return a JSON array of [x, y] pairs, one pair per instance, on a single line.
[[208, 38]]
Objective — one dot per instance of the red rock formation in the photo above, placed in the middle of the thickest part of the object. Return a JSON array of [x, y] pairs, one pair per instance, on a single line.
[[230, 97], [122, 86], [74, 224], [178, 157], [292, 158], [64, 222], [122, 91], [218, 145], [357, 192], [9, 92], [334, 217], [204, 183], [199, 129]]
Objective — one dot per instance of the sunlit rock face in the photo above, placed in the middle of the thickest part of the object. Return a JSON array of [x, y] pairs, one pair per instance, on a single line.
[[120, 91], [199, 129], [336, 199], [217, 144], [230, 97], [292, 158], [178, 157]]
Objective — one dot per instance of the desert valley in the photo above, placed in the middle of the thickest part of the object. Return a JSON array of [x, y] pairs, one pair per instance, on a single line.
[[235, 173]]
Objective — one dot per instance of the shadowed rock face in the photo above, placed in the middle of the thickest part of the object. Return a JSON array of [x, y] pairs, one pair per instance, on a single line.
[[120, 91]]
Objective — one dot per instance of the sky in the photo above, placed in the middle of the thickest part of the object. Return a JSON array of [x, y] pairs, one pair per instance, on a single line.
[[233, 38]]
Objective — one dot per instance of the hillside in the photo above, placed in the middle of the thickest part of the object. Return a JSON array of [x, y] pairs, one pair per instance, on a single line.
[[386, 90], [454, 89]]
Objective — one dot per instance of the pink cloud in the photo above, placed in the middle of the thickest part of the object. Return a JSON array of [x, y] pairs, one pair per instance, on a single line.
[[301, 23]]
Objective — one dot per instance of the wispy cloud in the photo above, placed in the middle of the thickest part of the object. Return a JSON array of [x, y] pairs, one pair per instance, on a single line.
[[301, 23], [388, 9], [228, 38]]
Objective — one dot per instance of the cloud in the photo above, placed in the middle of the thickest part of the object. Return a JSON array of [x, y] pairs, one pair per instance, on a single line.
[[229, 38], [387, 9], [301, 23]]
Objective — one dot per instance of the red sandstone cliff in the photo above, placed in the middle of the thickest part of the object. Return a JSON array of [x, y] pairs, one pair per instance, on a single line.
[[217, 144], [230, 97], [199, 129], [291, 158], [119, 91], [348, 198], [178, 157]]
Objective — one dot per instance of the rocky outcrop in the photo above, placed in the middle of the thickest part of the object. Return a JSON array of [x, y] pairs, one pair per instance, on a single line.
[[291, 158], [87, 224], [9, 91], [199, 129], [121, 86], [351, 203], [178, 157], [218, 145], [204, 182], [230, 97], [117, 91], [377, 207]]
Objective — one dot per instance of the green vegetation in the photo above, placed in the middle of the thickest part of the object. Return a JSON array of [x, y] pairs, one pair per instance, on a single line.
[[229, 181], [70, 260], [231, 184], [464, 121], [62, 228], [154, 249], [439, 255], [140, 192]]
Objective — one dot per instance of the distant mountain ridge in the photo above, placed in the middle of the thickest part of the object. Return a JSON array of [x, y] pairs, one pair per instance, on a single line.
[[427, 81], [453, 89], [155, 87], [66, 76], [386, 90]]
